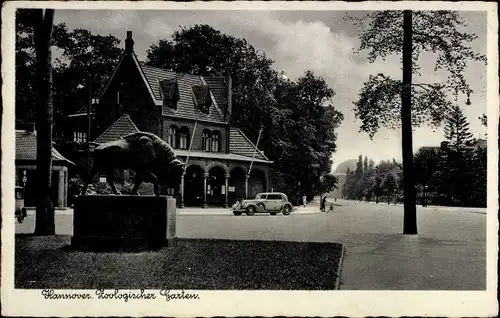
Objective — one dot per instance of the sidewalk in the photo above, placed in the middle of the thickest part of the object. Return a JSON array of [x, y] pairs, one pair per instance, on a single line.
[[448, 253], [309, 209]]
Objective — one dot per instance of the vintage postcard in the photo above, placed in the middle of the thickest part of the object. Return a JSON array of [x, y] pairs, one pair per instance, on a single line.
[[249, 159]]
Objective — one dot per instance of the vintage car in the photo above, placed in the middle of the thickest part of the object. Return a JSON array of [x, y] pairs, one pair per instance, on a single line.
[[268, 202], [20, 209]]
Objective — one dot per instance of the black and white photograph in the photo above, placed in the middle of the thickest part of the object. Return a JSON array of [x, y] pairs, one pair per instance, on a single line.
[[249, 158]]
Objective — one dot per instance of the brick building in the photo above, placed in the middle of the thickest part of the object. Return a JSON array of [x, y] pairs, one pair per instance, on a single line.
[[192, 114]]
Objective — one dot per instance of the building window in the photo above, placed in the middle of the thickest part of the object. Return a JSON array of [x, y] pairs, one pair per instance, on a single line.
[[216, 141], [173, 136], [170, 92], [184, 138], [79, 136], [205, 139], [202, 97]]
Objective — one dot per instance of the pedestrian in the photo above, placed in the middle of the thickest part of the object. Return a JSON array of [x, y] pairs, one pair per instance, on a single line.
[[335, 199], [323, 204], [304, 200]]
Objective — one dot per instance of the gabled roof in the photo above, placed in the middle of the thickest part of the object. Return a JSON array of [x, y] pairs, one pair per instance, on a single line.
[[121, 127], [241, 145], [186, 106], [26, 148]]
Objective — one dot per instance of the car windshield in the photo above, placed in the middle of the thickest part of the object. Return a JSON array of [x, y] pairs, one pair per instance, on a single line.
[[260, 196]]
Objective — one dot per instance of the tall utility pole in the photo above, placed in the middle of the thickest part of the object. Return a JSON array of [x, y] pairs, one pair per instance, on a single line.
[[410, 209]]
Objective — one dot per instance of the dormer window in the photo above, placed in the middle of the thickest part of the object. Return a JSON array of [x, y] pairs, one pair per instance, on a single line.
[[170, 92], [202, 98]]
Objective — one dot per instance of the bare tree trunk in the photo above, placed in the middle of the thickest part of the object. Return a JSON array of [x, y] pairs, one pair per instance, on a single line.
[[410, 209], [44, 120]]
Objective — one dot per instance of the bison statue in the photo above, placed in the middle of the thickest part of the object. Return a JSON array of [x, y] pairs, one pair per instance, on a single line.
[[152, 159]]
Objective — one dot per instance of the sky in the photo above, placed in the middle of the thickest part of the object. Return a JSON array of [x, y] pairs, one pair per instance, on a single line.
[[297, 41]]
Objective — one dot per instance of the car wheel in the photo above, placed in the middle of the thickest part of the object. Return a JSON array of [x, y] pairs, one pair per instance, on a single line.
[[273, 213], [237, 213], [286, 210], [250, 211], [20, 219]]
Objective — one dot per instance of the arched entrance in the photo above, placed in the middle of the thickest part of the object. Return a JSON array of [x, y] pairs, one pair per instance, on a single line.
[[256, 183], [216, 191], [236, 185], [193, 186]]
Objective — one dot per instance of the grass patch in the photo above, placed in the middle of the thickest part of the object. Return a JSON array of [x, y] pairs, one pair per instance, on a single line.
[[46, 262]]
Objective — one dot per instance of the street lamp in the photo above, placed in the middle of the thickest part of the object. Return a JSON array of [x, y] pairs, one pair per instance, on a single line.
[[425, 195]]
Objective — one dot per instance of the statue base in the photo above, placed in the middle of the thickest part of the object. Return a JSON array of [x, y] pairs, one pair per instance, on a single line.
[[103, 222]]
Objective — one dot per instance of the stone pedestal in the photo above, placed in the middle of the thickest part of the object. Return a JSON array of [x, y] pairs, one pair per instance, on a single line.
[[123, 221]]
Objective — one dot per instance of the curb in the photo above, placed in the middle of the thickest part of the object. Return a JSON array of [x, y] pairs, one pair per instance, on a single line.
[[180, 213], [339, 270]]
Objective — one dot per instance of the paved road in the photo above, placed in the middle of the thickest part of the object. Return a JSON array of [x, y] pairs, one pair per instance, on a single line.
[[448, 253]]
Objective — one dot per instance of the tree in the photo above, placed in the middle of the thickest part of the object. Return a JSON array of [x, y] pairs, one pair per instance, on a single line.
[[83, 55], [42, 26], [86, 59], [378, 104], [426, 164], [328, 184], [377, 188], [389, 185], [456, 130], [25, 66], [311, 132], [458, 164], [478, 178]]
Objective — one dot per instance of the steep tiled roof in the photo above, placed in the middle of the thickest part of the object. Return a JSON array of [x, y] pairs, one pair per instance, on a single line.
[[121, 127], [26, 148], [239, 144], [186, 107]]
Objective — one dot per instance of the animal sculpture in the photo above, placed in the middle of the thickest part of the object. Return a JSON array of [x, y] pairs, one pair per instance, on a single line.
[[152, 159]]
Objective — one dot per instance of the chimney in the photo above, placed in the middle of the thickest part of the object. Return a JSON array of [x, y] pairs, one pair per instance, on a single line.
[[129, 43]]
